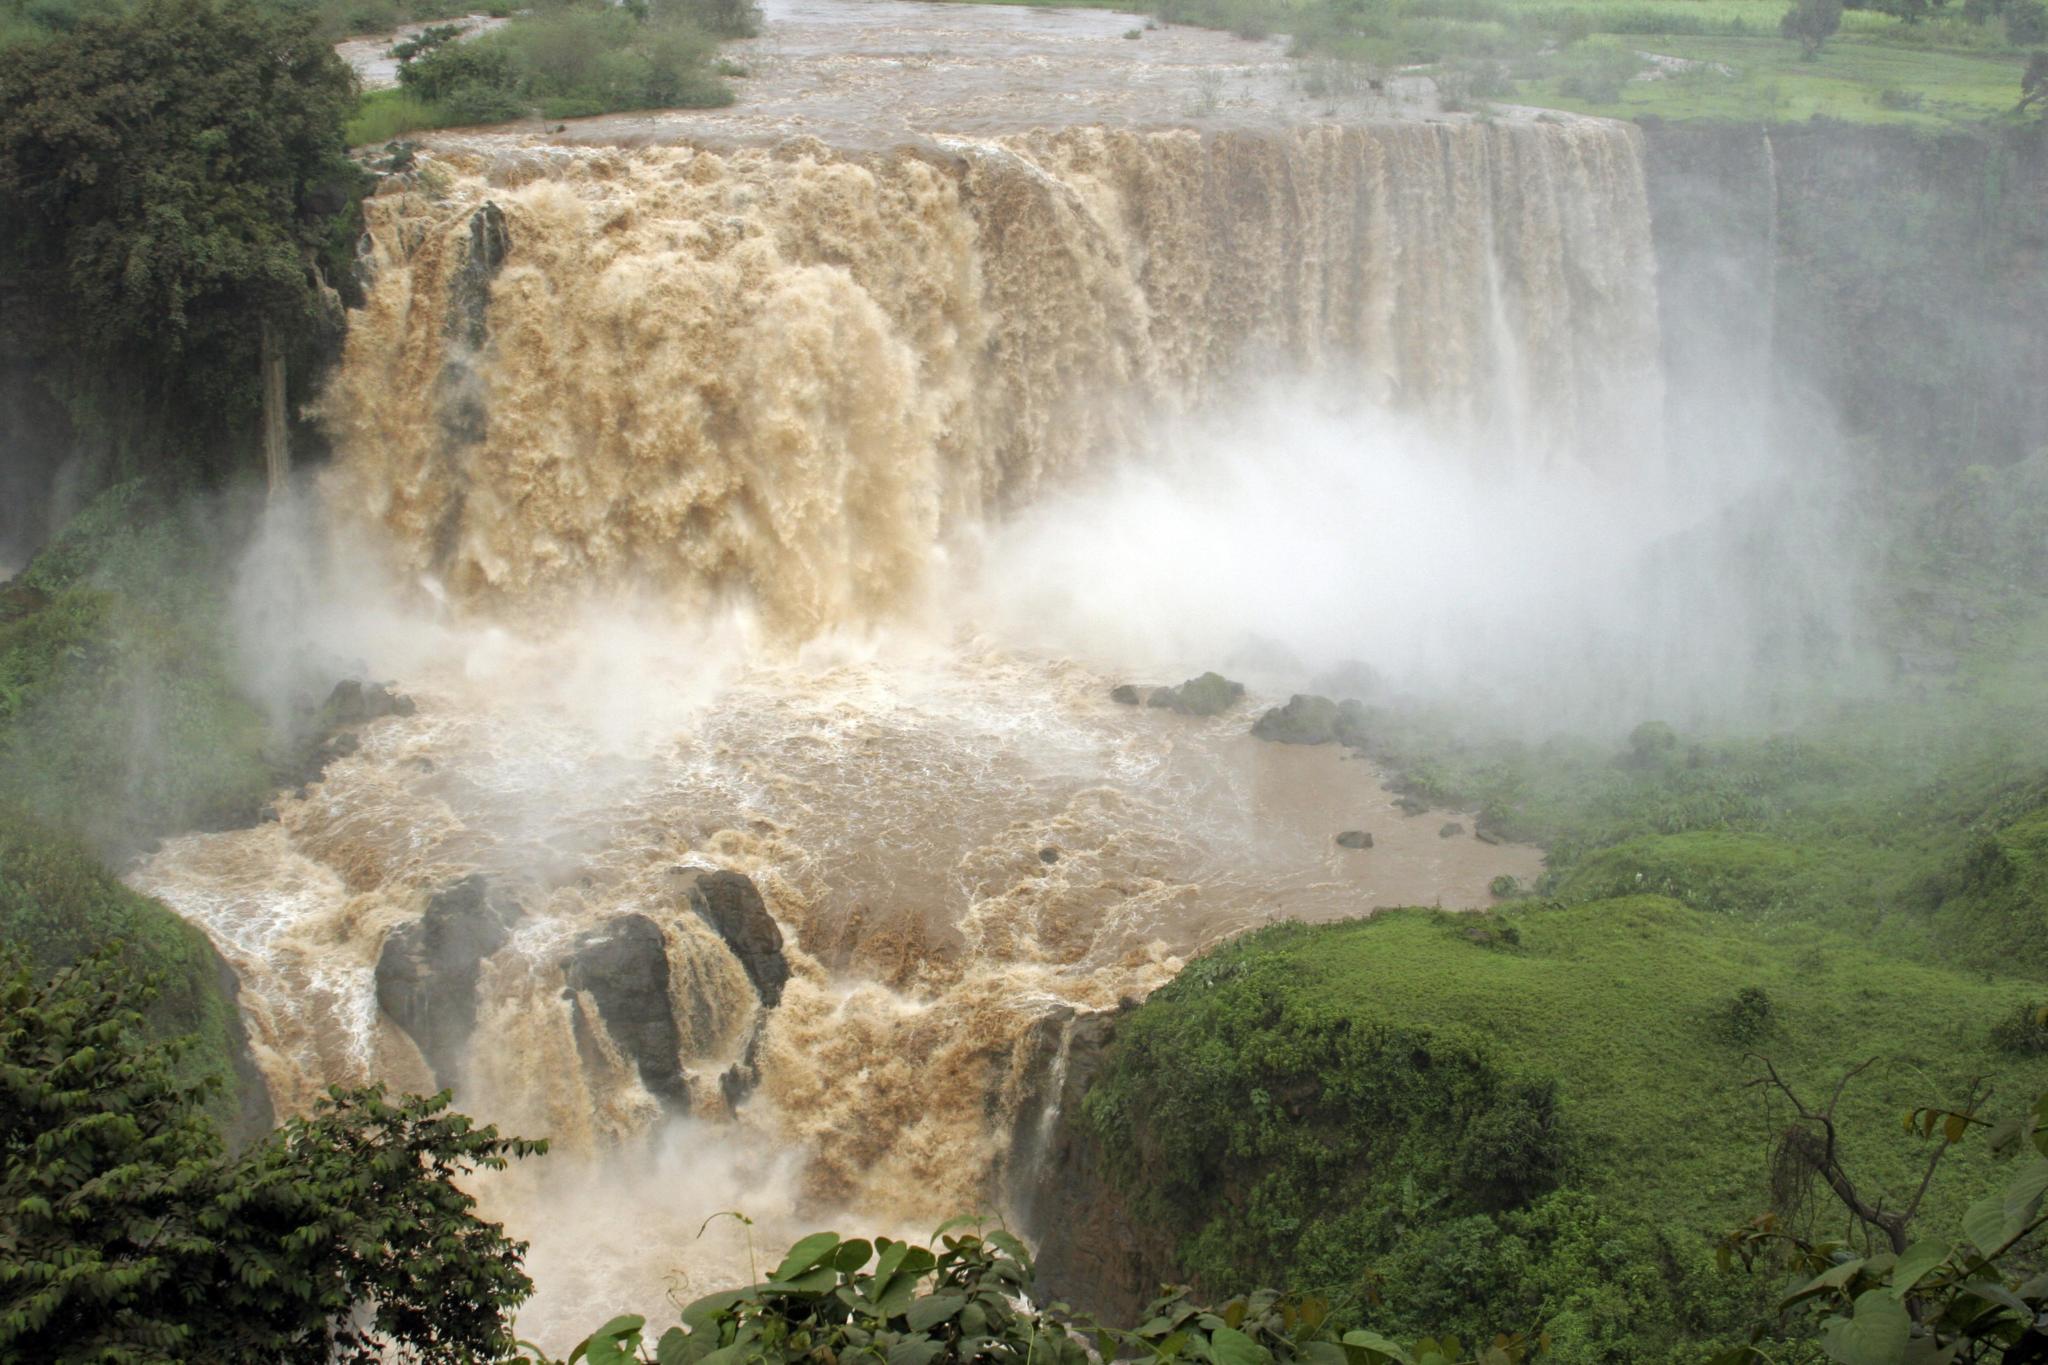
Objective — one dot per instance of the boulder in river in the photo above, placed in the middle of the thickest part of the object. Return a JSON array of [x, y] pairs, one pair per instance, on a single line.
[[1354, 838], [1123, 694], [623, 967], [1307, 719], [1451, 830], [427, 971], [732, 905], [1211, 694], [352, 702]]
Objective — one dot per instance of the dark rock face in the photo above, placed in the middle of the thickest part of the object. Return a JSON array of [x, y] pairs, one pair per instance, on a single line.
[[623, 967], [460, 391], [1312, 720], [469, 293], [1354, 838], [732, 906], [254, 1115], [427, 972], [1094, 1253], [1209, 695]]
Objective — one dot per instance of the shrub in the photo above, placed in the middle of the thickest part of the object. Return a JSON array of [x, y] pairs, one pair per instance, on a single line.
[[2023, 1032], [2026, 22], [1749, 1017]]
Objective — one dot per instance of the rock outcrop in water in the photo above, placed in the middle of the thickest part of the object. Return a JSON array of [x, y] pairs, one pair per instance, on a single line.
[[1312, 720], [623, 968], [427, 972], [732, 905], [1209, 695]]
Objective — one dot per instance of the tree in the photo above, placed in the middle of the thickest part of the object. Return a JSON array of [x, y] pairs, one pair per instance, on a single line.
[[166, 173], [1977, 1297], [1812, 22], [127, 1235], [2034, 83]]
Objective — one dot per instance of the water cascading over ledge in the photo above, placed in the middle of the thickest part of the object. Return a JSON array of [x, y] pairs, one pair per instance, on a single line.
[[784, 374]]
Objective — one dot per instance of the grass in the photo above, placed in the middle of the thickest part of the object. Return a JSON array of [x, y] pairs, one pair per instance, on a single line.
[[1858, 79], [1941, 71], [1234, 1091], [383, 115]]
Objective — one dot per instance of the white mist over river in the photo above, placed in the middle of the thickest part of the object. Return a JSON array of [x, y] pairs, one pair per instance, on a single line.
[[790, 509]]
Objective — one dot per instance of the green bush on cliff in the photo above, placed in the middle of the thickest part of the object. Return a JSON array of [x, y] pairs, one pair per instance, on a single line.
[[58, 906]]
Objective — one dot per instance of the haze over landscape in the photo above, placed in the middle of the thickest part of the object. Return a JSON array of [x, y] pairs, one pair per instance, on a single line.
[[1283, 680]]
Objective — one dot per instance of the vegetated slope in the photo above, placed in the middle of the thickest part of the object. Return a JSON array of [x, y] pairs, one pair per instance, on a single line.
[[1548, 1112], [58, 905], [119, 721]]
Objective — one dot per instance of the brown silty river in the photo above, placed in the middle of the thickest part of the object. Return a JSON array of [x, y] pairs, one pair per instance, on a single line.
[[713, 571]]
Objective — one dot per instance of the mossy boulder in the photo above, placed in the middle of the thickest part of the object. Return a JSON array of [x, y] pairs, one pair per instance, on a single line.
[[1307, 719], [1211, 694]]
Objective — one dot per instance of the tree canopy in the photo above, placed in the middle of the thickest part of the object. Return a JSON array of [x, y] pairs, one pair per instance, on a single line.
[[167, 172], [128, 1235]]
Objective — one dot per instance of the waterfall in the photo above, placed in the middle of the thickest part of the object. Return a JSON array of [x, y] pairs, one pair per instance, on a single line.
[[683, 377], [787, 373]]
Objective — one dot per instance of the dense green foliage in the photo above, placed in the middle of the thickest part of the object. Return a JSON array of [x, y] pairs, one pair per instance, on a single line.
[[59, 906], [166, 171], [126, 1234], [968, 1301], [1600, 1051]]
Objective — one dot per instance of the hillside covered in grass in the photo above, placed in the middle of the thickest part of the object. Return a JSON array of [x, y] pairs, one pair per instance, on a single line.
[[1558, 1103]]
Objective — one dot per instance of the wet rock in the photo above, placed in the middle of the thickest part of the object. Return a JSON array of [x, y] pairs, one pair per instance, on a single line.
[[1211, 694], [1411, 805], [1307, 719], [623, 967], [427, 972], [1487, 836], [732, 906], [1094, 1251], [1354, 838], [1123, 694], [1451, 830], [1048, 855], [352, 702], [469, 293]]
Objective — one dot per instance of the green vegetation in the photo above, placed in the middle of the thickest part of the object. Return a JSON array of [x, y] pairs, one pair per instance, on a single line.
[[23, 21], [59, 906], [564, 59], [170, 176], [130, 1236], [1909, 62], [119, 721], [1554, 1103], [969, 1301]]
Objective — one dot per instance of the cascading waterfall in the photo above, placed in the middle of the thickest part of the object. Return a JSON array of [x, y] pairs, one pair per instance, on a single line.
[[786, 373], [782, 378]]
